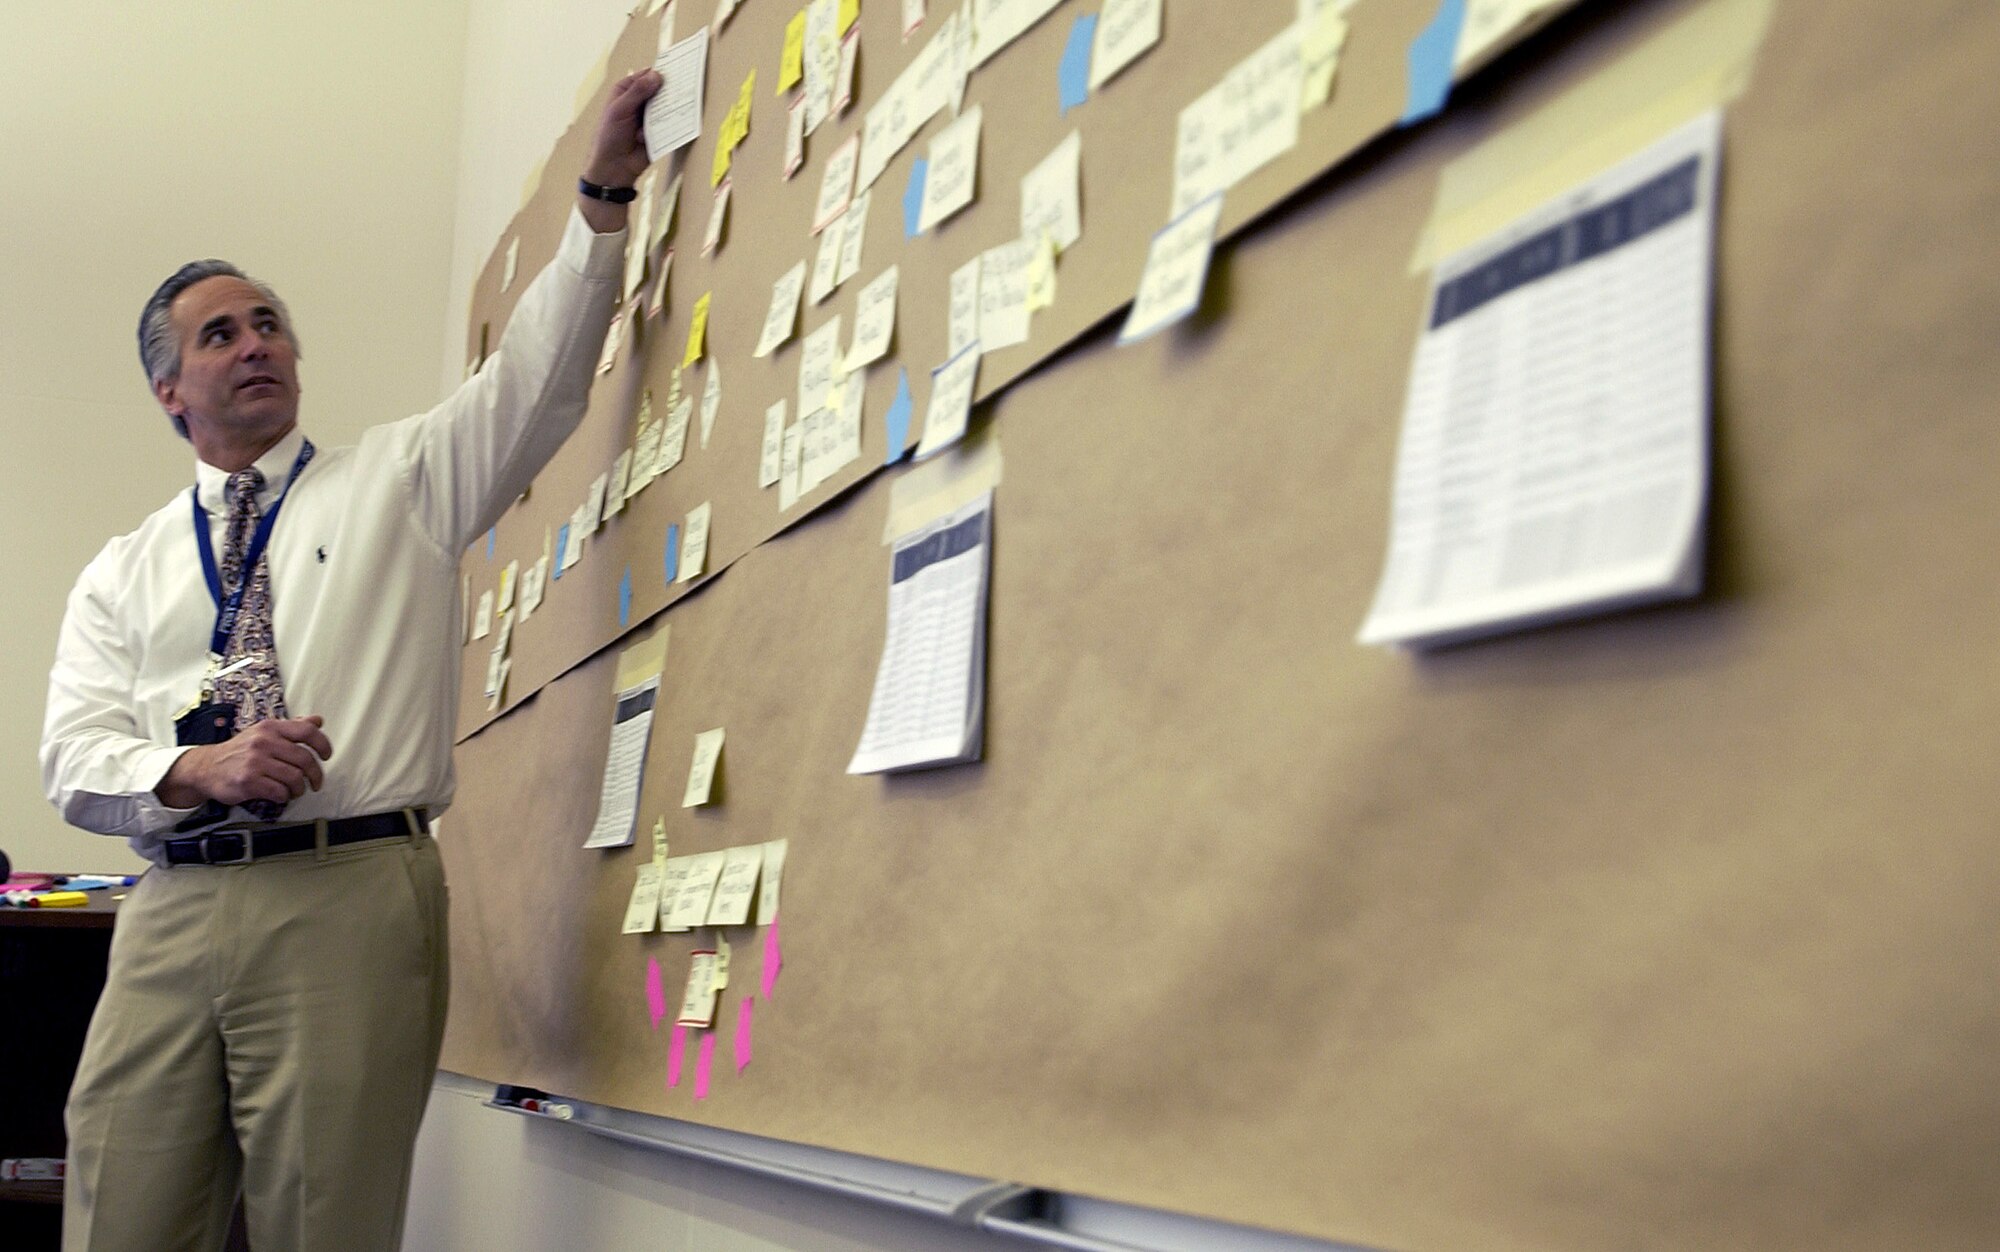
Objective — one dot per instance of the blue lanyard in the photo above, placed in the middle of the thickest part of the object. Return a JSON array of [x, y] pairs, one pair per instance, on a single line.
[[227, 607]]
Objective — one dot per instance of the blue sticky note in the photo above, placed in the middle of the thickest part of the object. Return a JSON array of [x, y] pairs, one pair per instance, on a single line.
[[489, 543], [913, 198], [625, 597], [672, 560], [1073, 75], [898, 420], [1431, 55], [562, 546]]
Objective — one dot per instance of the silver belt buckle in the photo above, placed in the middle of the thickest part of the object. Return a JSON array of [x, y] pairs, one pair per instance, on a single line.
[[213, 855]]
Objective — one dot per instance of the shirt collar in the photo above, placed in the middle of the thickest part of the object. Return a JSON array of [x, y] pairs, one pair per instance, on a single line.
[[212, 484]]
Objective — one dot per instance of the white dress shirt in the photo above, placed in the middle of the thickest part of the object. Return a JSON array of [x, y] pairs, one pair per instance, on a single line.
[[364, 582]]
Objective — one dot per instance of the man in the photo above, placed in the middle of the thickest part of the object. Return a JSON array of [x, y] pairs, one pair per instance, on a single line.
[[257, 687]]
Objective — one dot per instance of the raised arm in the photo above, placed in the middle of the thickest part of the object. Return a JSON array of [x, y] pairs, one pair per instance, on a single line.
[[478, 450]]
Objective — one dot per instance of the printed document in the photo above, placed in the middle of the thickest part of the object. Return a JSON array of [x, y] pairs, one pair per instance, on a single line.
[[929, 702], [1554, 456]]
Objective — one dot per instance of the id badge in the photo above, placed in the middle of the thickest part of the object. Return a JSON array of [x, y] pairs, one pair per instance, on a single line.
[[211, 721]]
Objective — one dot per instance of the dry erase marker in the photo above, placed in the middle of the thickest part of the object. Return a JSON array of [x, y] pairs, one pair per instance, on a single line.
[[59, 900]]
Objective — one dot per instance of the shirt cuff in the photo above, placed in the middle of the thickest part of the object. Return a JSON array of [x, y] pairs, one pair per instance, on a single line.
[[589, 253], [153, 765]]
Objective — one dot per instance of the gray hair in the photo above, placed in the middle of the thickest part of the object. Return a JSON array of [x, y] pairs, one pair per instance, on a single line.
[[160, 351]]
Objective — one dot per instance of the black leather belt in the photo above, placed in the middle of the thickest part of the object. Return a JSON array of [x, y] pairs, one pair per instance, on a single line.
[[240, 846]]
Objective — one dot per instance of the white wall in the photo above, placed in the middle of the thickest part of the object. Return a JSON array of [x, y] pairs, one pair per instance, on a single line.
[[314, 144]]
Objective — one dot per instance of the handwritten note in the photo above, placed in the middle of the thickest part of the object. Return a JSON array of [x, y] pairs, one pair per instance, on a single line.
[[795, 138], [698, 874], [701, 771], [711, 399], [1049, 199], [673, 439], [1125, 30], [850, 52], [736, 888], [694, 543], [482, 622], [821, 60], [788, 469], [913, 99], [1003, 294], [614, 337], [774, 872], [874, 320], [642, 911], [836, 185], [718, 215], [1176, 269], [1322, 32], [769, 459], [816, 366], [952, 176], [673, 114], [614, 494], [698, 998], [784, 310], [853, 228], [826, 264], [998, 23], [1241, 124], [951, 401], [962, 313], [656, 301]]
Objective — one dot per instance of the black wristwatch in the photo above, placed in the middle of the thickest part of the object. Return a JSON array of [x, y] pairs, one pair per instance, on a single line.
[[610, 195]]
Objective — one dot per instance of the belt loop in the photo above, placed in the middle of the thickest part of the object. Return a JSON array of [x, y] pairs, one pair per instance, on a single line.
[[416, 830], [319, 839]]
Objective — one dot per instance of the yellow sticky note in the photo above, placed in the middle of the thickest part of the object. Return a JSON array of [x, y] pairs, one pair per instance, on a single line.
[[723, 151], [850, 10], [735, 129], [1042, 275], [697, 330], [792, 65]]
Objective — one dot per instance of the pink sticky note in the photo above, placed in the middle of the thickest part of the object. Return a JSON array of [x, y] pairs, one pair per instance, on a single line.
[[676, 1049], [774, 957], [656, 995], [704, 1063], [743, 1033]]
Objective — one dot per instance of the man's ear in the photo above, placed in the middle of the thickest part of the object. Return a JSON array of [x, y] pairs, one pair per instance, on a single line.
[[164, 390]]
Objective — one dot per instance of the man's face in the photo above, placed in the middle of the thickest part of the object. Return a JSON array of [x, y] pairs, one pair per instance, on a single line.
[[239, 377]]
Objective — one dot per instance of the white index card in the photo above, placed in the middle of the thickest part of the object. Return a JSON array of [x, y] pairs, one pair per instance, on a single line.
[[1176, 268], [1050, 204], [784, 310], [874, 321], [951, 177], [673, 115], [694, 543]]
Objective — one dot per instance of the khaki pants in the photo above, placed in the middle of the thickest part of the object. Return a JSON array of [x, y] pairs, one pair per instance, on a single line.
[[271, 1027]]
